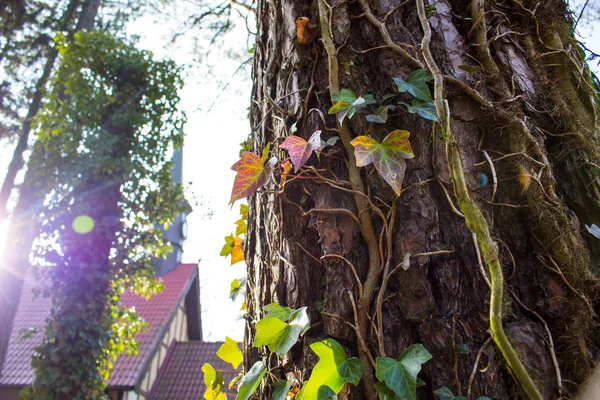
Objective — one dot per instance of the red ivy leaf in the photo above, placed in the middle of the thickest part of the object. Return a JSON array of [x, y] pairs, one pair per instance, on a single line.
[[300, 150], [387, 156], [252, 173]]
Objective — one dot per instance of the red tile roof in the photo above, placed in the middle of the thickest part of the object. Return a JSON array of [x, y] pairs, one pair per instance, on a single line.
[[181, 376], [128, 370], [158, 312], [31, 314]]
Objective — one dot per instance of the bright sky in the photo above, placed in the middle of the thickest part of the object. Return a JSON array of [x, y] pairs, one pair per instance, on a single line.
[[211, 147]]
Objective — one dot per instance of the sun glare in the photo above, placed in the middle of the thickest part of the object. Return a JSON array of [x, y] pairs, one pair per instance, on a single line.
[[3, 229]]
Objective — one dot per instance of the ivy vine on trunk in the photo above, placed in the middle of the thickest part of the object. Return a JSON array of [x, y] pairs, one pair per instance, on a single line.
[[477, 246]]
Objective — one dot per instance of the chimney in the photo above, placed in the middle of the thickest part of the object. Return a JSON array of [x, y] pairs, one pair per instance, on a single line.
[[177, 232]]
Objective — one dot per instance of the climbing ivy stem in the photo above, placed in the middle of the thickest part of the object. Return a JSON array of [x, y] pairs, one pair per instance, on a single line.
[[366, 224], [475, 221]]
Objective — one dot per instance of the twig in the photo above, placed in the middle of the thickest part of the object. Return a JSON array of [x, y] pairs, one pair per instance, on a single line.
[[393, 10], [334, 211], [434, 253], [506, 204], [307, 253], [558, 271], [474, 371], [380, 300], [386, 36], [456, 380], [361, 340], [341, 257], [452, 206], [550, 343], [580, 14], [275, 105], [494, 177], [512, 259], [481, 268]]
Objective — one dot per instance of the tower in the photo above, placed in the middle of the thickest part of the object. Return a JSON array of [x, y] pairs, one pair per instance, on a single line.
[[177, 232]]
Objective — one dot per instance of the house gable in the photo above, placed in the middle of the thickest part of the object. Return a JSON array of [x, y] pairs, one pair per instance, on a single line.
[[165, 313]]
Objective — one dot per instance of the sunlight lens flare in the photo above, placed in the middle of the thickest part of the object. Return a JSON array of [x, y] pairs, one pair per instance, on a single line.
[[83, 224], [3, 230]]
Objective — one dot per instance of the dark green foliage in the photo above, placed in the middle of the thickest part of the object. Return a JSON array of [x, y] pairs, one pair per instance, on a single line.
[[104, 139]]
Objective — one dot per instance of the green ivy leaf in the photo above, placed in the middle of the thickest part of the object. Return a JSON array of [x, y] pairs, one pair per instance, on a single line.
[[401, 375], [280, 336], [345, 95], [250, 381], [461, 349], [341, 108], [445, 393], [387, 156], [385, 393], [369, 99], [484, 398], [415, 84], [347, 103], [380, 116], [281, 389], [230, 353], [325, 373], [300, 317], [280, 312], [423, 108], [325, 393], [234, 289], [352, 370]]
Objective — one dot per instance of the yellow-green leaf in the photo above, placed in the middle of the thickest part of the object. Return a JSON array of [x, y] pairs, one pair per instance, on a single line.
[[234, 289], [244, 211], [226, 250], [325, 373], [213, 380], [230, 353], [242, 227]]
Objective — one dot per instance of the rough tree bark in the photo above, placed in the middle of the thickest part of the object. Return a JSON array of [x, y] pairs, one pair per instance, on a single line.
[[525, 126]]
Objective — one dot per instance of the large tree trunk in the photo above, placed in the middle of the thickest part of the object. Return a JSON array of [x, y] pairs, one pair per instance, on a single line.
[[524, 141]]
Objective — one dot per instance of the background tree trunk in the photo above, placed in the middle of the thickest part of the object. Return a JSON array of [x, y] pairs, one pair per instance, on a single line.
[[526, 125], [24, 226]]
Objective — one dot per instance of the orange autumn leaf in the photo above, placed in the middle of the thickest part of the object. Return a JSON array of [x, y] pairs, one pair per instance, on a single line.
[[287, 167], [237, 253]]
